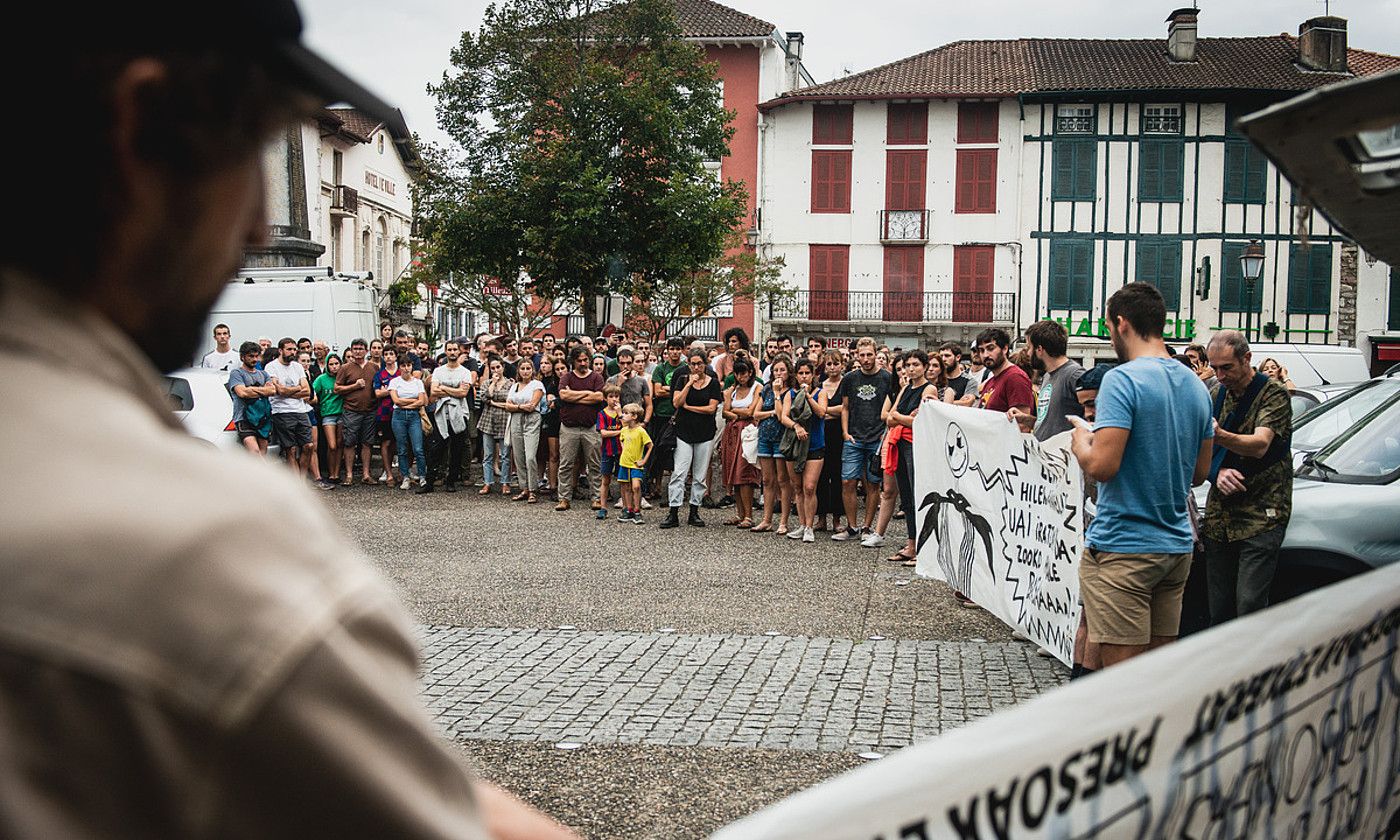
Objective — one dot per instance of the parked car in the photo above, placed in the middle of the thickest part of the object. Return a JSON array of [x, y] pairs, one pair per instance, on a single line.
[[200, 398], [1307, 398], [1314, 364]]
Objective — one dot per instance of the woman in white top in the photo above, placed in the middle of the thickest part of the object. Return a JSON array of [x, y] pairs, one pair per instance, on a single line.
[[739, 403], [523, 404], [408, 395]]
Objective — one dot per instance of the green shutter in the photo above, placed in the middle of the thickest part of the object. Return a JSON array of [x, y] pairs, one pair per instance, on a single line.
[[1232, 289], [1309, 279], [1159, 263], [1246, 171], [1071, 274], [1173, 169], [1072, 170], [1150, 170]]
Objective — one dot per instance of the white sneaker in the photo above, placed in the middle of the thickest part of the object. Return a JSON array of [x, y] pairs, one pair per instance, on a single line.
[[404, 486], [384, 477], [618, 505], [422, 482], [795, 533], [872, 540], [808, 536], [646, 505], [844, 535]]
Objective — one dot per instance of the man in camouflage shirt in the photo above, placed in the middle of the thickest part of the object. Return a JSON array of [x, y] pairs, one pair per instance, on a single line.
[[1251, 494]]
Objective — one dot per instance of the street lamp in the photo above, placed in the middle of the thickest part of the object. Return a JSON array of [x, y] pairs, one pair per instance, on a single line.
[[1252, 267]]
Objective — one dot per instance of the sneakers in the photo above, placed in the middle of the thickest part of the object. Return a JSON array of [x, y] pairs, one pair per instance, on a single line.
[[645, 504], [872, 540], [423, 487], [637, 518], [385, 478], [404, 486], [845, 535], [601, 514], [617, 505], [625, 516], [795, 534], [808, 536]]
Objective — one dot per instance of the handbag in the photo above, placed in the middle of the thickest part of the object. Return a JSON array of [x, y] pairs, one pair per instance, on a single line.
[[748, 443]]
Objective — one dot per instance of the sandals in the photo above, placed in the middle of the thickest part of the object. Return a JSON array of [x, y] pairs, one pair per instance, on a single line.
[[531, 499], [522, 496], [781, 530], [745, 523], [484, 491], [761, 529], [901, 557], [734, 520]]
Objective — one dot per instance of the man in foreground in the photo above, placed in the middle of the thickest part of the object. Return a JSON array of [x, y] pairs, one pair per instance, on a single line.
[[1251, 494], [1150, 443], [191, 648]]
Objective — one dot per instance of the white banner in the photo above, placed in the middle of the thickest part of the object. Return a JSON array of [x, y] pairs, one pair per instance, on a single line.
[[1284, 724], [1000, 518]]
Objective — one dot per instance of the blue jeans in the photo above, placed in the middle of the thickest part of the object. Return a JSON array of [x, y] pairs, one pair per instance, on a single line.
[[495, 460], [409, 429]]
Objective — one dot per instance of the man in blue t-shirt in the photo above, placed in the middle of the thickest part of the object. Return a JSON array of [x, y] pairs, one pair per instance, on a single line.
[[1150, 443]]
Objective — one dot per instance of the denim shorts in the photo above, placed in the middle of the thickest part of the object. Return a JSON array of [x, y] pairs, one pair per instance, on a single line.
[[858, 456], [630, 473], [769, 448], [330, 420]]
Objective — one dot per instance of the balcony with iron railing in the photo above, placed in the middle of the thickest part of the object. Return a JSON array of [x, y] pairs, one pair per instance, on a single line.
[[897, 307], [904, 227]]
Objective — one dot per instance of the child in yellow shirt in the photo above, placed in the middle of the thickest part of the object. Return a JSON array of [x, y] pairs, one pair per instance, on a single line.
[[636, 450]]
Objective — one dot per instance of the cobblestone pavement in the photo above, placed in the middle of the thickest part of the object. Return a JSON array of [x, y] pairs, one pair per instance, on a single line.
[[666, 689]]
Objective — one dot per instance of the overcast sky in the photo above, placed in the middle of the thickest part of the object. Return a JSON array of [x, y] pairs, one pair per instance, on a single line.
[[396, 48]]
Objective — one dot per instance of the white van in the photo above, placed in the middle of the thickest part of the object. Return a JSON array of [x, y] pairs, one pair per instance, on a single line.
[[312, 302], [1315, 364]]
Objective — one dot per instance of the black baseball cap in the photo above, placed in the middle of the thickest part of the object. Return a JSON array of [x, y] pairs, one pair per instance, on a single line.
[[269, 30]]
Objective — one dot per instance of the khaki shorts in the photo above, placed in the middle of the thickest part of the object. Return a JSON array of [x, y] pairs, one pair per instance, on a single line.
[[1129, 598]]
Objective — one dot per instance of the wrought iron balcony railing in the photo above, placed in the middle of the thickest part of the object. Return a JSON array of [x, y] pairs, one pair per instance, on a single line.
[[898, 307], [904, 227]]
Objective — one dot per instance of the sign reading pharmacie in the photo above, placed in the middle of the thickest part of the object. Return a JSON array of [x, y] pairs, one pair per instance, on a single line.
[[1000, 519], [1285, 723]]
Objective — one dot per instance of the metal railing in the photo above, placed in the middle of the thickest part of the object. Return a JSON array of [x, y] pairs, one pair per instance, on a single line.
[[898, 307]]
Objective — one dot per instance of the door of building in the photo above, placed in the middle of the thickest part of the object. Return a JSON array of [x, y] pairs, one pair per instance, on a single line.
[[973, 277]]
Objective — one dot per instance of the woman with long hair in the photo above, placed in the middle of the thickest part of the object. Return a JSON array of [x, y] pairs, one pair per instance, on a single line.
[[696, 401], [804, 411], [495, 428], [331, 407], [522, 404], [549, 426], [777, 493], [898, 460], [740, 400], [829, 482]]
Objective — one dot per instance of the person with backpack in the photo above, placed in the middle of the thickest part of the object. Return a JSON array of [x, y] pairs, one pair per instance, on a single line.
[[250, 388]]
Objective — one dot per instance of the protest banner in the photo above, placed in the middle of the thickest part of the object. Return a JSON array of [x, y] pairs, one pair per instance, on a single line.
[[1285, 723], [1000, 519]]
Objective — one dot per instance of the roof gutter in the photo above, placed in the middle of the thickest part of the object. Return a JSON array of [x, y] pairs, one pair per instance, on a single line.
[[765, 107]]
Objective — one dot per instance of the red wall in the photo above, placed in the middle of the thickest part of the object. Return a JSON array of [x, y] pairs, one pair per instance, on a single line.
[[739, 68]]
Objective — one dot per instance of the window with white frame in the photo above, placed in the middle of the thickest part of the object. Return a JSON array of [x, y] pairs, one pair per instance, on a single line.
[[1161, 119], [1074, 119]]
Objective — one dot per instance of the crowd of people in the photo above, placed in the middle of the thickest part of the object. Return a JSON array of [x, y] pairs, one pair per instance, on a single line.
[[801, 440]]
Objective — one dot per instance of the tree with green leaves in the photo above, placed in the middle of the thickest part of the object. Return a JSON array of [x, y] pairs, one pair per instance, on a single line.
[[581, 130]]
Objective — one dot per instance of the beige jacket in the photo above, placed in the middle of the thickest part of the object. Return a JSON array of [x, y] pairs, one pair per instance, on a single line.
[[188, 646]]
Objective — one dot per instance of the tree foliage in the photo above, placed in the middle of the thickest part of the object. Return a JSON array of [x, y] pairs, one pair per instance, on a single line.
[[581, 130]]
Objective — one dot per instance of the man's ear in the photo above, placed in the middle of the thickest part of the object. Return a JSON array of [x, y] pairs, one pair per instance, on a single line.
[[129, 95]]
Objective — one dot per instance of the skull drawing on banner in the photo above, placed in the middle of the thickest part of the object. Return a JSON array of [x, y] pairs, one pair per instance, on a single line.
[[949, 506]]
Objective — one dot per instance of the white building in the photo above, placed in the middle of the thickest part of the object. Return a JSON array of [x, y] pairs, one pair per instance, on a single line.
[[1000, 182]]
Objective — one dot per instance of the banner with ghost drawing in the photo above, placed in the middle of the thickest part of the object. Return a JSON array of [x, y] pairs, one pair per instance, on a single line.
[[1000, 518]]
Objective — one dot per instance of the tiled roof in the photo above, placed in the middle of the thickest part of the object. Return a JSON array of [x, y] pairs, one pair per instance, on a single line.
[[708, 19], [1031, 65], [357, 122]]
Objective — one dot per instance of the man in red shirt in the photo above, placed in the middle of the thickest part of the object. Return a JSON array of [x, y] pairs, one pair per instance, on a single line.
[[1009, 387]]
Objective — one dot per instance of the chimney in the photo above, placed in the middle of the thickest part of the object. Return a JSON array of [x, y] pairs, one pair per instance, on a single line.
[[1322, 44], [792, 76], [1181, 35]]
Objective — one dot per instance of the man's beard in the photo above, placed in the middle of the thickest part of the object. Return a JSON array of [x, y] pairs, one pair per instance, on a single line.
[[1037, 362], [177, 305], [1118, 347]]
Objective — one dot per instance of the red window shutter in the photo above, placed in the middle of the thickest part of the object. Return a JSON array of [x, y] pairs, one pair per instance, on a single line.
[[821, 182], [904, 283], [831, 182], [906, 123], [832, 124], [828, 282], [972, 283], [975, 190], [905, 179], [977, 122]]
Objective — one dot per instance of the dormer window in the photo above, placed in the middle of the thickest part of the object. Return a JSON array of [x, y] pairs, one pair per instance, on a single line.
[[1074, 119], [1161, 119]]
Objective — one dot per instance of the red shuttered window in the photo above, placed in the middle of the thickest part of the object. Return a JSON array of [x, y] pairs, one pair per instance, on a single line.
[[829, 279], [977, 122], [905, 179], [976, 181], [904, 283], [831, 125], [907, 124], [831, 181], [973, 273]]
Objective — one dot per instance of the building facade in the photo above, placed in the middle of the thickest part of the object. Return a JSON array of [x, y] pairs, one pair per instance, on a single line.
[[1001, 182]]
